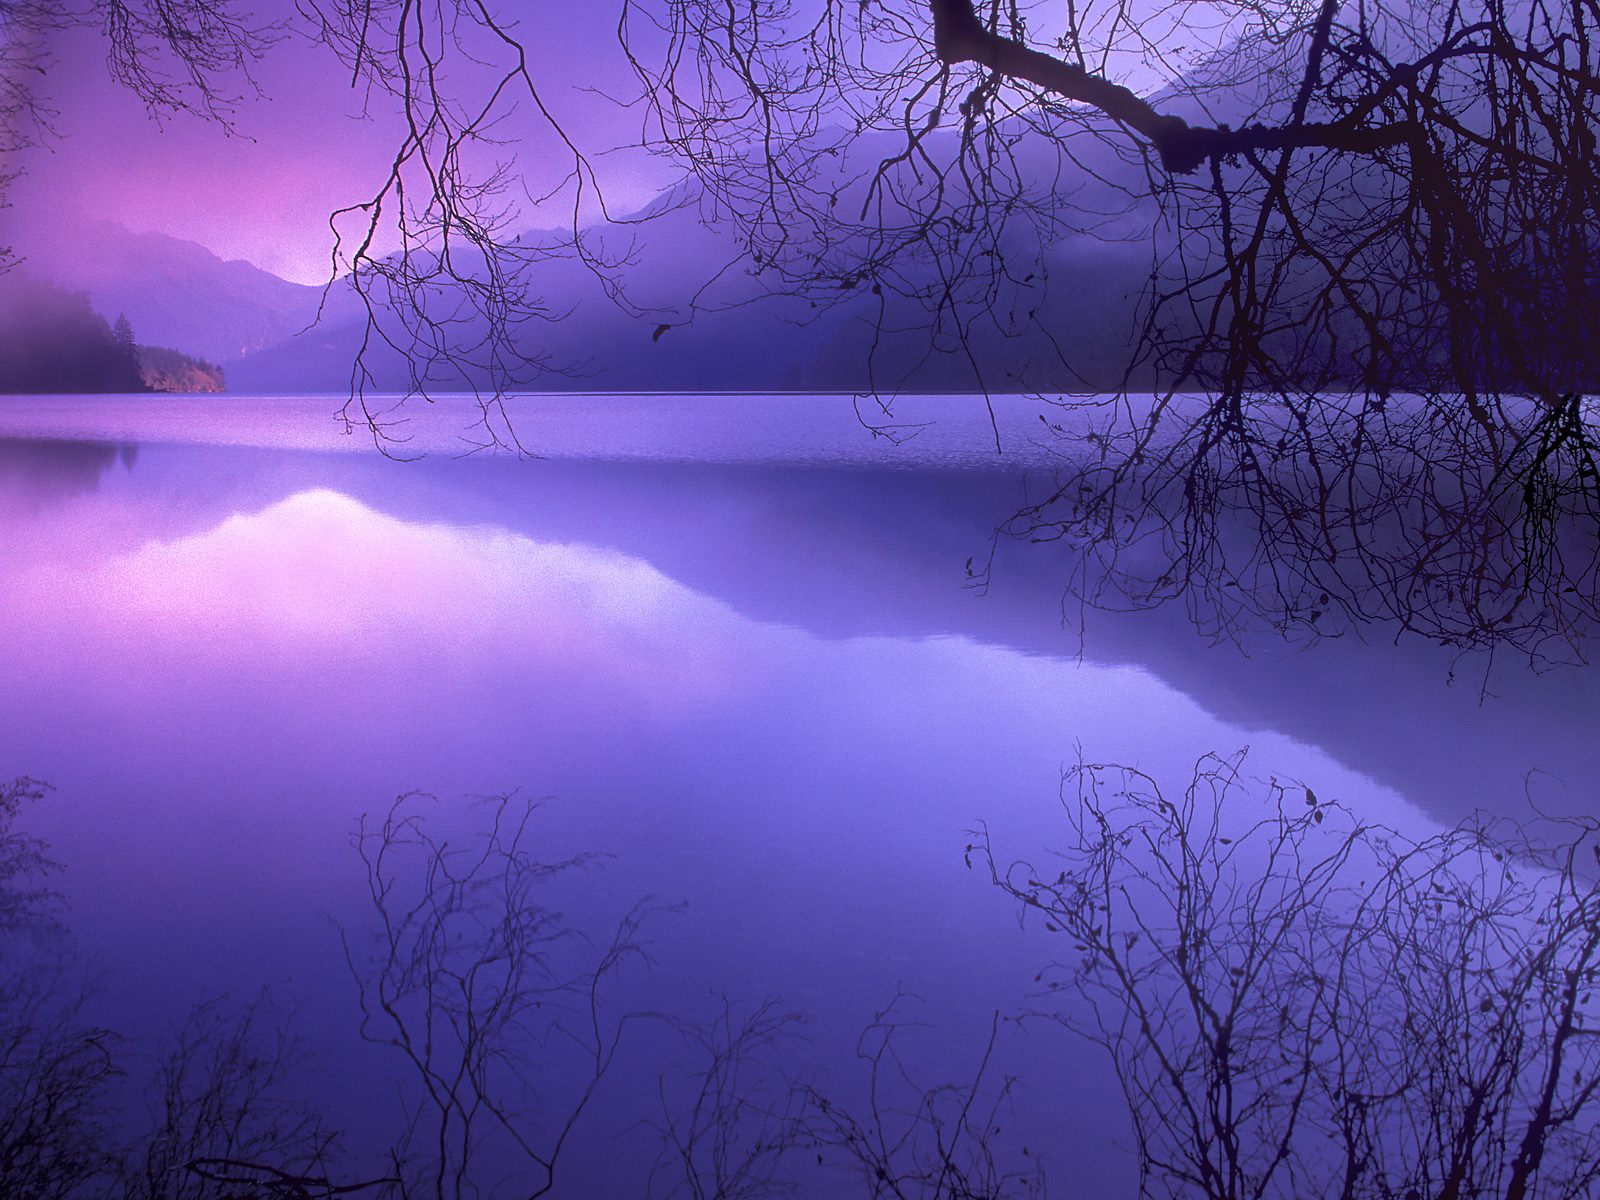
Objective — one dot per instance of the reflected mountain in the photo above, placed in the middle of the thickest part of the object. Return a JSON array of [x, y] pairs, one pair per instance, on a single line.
[[850, 553]]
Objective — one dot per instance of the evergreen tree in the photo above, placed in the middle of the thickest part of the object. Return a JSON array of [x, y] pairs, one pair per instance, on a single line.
[[126, 351], [52, 340]]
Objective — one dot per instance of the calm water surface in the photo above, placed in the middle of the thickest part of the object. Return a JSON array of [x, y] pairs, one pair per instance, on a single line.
[[731, 640]]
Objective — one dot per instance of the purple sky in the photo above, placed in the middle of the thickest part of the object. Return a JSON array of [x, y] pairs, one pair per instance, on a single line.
[[304, 148], [264, 195]]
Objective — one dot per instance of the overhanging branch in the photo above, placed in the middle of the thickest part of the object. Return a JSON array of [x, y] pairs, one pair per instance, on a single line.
[[959, 36]]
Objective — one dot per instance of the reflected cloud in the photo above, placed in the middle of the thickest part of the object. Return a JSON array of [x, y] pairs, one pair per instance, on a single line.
[[319, 611], [319, 579]]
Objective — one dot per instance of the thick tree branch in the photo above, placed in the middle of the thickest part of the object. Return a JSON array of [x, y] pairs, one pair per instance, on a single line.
[[959, 36]]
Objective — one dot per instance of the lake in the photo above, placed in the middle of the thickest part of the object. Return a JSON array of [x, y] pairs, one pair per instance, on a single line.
[[734, 645]]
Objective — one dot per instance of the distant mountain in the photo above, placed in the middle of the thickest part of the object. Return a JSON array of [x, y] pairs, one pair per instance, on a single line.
[[741, 340], [1068, 324], [174, 292], [259, 327]]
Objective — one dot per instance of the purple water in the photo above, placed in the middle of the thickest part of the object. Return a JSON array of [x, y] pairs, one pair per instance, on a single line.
[[752, 674]]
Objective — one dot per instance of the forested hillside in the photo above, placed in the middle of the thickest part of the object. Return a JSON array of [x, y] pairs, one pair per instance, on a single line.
[[52, 340], [165, 370]]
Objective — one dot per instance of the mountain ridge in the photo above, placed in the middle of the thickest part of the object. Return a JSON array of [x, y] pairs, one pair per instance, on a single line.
[[177, 293], [272, 335]]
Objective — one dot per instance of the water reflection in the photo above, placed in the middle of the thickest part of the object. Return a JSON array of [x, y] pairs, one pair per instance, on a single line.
[[850, 552], [765, 691], [35, 473]]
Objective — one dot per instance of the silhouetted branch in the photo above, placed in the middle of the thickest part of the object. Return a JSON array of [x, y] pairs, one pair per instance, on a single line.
[[1312, 515], [245, 1178], [960, 36], [56, 1074], [1364, 324], [505, 1041], [915, 1139], [224, 1091], [1298, 1003], [56, 1068], [729, 1120], [27, 905]]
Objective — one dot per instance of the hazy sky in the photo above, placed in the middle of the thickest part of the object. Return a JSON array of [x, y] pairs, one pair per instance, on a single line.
[[301, 150], [305, 146]]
